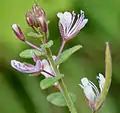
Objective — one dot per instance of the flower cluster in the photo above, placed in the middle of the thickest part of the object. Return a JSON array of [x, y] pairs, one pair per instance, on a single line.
[[69, 25]]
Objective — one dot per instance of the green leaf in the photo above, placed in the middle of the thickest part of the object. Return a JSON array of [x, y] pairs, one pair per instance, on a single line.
[[108, 75], [47, 45], [28, 53], [48, 82], [32, 34], [58, 99], [66, 54]]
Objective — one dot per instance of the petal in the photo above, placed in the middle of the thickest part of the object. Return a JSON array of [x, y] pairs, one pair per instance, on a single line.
[[38, 66], [72, 21], [65, 21], [22, 67], [88, 90], [61, 28], [47, 68], [79, 24], [34, 56], [26, 68], [83, 23], [101, 80]]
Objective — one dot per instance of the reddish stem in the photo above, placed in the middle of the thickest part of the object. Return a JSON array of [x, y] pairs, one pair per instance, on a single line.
[[61, 48], [32, 45]]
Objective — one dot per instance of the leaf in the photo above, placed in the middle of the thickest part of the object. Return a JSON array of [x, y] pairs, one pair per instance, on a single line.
[[58, 99], [28, 53], [108, 75], [66, 54], [32, 34], [47, 45], [48, 82]]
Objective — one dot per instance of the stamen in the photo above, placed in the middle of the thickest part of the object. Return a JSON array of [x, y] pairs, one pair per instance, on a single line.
[[94, 87]]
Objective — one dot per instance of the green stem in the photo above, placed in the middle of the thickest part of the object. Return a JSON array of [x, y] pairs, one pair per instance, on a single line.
[[62, 85]]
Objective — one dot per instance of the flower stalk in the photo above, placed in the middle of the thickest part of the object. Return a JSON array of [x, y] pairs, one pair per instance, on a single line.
[[61, 48], [62, 85], [61, 82], [32, 45]]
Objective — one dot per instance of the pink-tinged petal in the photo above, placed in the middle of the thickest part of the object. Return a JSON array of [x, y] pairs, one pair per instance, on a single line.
[[79, 24], [91, 92], [83, 23], [38, 66], [47, 68], [35, 57], [92, 105], [61, 30], [26, 68], [22, 67], [88, 90]]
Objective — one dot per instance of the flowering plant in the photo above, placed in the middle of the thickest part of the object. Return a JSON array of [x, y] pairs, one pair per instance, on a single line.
[[48, 65]]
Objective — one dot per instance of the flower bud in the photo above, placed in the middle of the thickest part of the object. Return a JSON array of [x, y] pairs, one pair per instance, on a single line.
[[29, 18], [37, 18], [18, 32]]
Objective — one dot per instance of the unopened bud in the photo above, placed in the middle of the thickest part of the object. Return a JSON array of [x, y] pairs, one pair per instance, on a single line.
[[18, 32], [37, 18], [29, 18]]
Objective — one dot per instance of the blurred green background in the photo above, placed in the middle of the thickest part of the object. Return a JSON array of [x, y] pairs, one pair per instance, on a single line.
[[20, 93]]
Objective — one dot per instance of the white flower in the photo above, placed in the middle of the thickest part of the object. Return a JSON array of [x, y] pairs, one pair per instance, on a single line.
[[91, 91], [42, 67], [68, 24]]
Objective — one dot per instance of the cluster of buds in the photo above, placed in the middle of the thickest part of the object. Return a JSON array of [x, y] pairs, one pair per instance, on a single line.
[[37, 18]]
